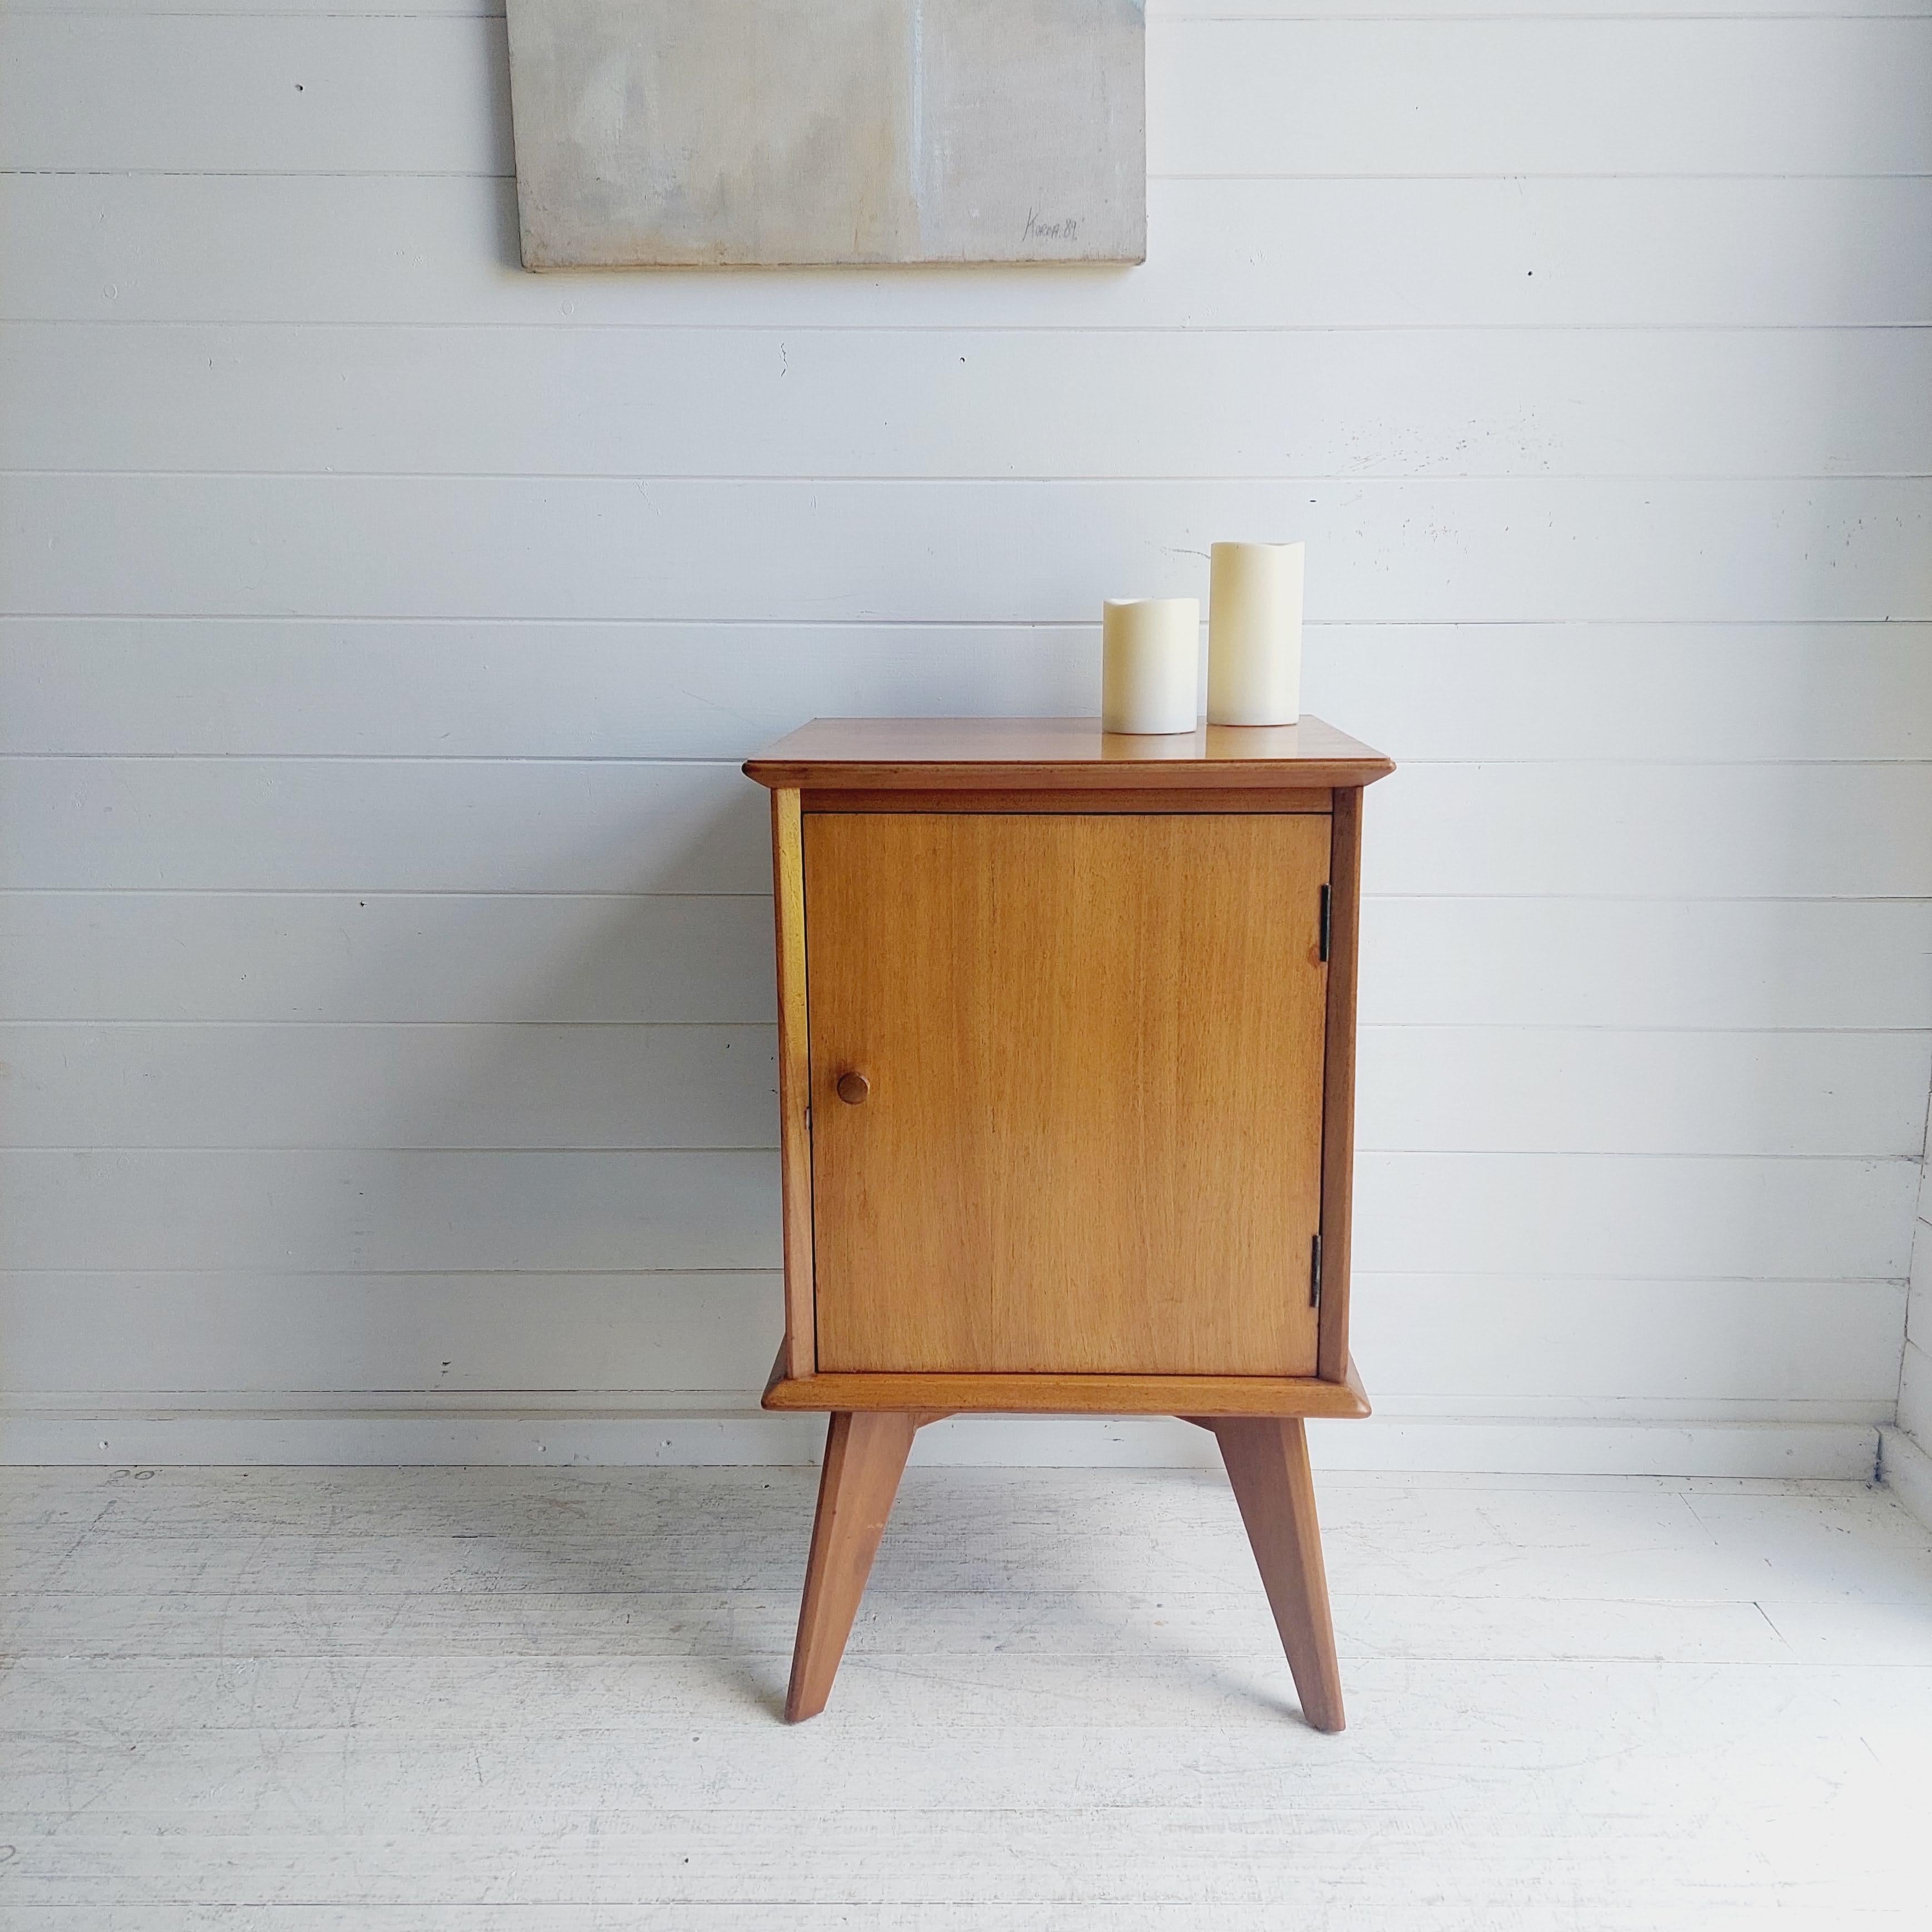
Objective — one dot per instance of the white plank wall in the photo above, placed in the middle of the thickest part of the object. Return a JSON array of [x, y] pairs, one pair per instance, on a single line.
[[384, 984]]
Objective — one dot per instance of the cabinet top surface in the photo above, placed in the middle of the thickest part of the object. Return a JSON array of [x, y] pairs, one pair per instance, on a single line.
[[987, 753]]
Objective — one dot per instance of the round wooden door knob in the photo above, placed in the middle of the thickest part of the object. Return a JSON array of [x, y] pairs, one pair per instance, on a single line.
[[853, 1088]]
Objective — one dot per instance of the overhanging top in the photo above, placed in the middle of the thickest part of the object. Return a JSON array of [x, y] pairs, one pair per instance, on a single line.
[[979, 754]]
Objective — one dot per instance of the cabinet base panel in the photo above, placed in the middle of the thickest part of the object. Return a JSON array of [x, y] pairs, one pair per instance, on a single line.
[[1071, 1395]]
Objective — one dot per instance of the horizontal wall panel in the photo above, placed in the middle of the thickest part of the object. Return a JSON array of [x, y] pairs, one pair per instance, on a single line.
[[308, 93], [1599, 1091], [335, 825], [1230, 254], [1628, 1214], [1580, 962], [353, 1211], [1709, 1342], [386, 1213], [1664, 831], [428, 687], [1401, 551], [274, 94], [277, 956], [389, 1086], [401, 825], [1476, 1090], [442, 1333], [941, 402], [1521, 97], [1625, 1342], [257, 956], [1711, 692]]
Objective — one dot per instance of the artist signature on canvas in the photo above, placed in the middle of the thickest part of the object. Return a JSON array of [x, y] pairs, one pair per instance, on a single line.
[[1066, 229]]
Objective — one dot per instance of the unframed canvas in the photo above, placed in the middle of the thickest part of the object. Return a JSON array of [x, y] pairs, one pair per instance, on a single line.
[[722, 133]]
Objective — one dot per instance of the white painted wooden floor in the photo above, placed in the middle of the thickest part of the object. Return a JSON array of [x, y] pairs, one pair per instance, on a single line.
[[498, 1698]]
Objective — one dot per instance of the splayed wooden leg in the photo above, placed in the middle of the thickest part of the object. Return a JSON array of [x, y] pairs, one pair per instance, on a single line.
[[865, 1456], [1267, 1465]]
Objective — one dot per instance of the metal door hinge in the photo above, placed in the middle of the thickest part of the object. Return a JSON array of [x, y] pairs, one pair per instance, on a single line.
[[1314, 1273], [1328, 920]]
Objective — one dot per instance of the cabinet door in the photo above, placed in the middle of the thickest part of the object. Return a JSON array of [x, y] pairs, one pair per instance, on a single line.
[[1090, 1140]]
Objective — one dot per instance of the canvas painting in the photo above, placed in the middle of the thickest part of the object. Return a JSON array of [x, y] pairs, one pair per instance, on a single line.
[[723, 132]]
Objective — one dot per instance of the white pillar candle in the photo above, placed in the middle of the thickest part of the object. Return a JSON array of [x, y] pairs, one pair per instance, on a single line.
[[1254, 634], [1151, 668]]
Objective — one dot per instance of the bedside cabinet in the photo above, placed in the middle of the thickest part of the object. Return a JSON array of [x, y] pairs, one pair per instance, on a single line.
[[1067, 1049]]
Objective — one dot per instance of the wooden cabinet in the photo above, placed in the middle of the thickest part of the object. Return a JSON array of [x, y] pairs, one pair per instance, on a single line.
[[1067, 1056]]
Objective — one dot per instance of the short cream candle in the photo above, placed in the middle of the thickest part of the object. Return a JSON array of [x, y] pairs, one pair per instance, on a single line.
[[1150, 667], [1254, 634]]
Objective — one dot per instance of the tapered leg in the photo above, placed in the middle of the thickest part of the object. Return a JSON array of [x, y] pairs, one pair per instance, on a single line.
[[865, 1456], [1267, 1465]]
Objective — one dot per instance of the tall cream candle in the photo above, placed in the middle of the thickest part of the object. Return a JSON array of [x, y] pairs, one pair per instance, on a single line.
[[1150, 665], [1254, 634]]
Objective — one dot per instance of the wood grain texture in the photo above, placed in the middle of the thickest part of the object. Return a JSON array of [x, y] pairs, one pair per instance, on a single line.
[[1093, 1141], [1067, 798], [794, 1080], [1035, 754], [1050, 1394], [865, 1456], [1338, 1082], [1268, 1468]]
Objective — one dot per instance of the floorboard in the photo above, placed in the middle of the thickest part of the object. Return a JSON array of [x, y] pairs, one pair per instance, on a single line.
[[498, 1699]]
